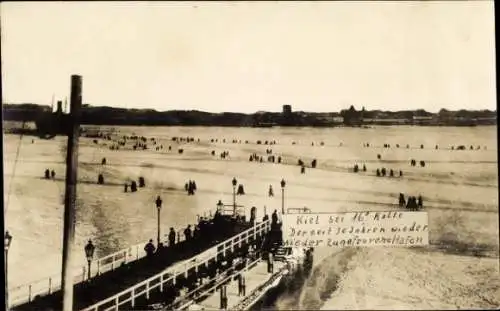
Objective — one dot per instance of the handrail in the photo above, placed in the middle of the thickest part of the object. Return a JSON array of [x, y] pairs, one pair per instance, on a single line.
[[258, 292], [23, 293], [206, 255], [129, 294], [218, 282], [299, 209], [237, 239]]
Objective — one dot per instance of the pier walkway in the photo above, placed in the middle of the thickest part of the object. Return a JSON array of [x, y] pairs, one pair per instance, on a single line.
[[256, 277], [25, 293], [107, 291]]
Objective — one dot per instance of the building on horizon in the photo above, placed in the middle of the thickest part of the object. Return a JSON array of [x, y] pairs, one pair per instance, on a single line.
[[287, 116], [287, 110], [424, 120], [352, 117]]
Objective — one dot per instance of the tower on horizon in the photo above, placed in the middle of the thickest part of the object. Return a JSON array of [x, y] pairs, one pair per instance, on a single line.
[[287, 109], [287, 115]]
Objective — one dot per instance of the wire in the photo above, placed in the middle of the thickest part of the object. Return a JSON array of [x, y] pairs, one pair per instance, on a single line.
[[13, 174]]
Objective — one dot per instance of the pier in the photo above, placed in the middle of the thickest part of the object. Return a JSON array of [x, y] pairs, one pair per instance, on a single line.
[[123, 287], [25, 293]]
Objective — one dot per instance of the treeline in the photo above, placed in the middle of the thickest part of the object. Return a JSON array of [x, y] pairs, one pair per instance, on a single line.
[[113, 116], [23, 112], [442, 114], [121, 116]]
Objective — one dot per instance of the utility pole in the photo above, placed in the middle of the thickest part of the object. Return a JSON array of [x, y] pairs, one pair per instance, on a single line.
[[70, 194]]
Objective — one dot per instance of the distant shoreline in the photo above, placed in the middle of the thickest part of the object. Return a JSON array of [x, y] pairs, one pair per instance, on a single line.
[[109, 116], [15, 127]]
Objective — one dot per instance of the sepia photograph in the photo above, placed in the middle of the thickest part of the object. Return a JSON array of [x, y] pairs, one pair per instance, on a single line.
[[331, 155]]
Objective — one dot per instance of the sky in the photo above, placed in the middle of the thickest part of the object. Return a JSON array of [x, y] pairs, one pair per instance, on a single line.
[[251, 56]]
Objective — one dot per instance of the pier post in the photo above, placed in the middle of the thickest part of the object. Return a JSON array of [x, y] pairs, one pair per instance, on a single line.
[[223, 297], [50, 286], [70, 195], [132, 298]]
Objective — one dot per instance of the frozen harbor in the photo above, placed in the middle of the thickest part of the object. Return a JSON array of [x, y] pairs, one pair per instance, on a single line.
[[458, 269]]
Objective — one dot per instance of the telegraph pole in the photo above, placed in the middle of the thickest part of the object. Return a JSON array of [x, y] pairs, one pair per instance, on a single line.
[[70, 194]]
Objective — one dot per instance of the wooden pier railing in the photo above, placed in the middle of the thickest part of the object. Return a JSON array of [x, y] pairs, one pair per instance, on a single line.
[[21, 294], [168, 276], [260, 291], [185, 301]]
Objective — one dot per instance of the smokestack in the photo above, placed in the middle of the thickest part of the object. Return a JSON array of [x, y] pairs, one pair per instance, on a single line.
[[59, 106]]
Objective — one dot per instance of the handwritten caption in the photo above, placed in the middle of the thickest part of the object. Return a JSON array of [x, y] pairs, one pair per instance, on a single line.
[[394, 228]]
